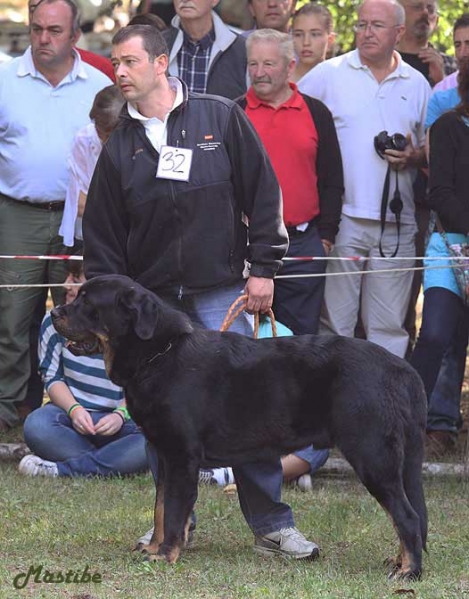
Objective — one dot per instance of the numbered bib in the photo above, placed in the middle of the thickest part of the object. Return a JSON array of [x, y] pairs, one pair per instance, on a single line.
[[175, 163]]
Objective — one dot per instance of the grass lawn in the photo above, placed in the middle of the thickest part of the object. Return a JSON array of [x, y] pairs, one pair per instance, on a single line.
[[65, 524]]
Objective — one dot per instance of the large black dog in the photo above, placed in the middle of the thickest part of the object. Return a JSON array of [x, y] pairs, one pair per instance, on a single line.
[[210, 398]]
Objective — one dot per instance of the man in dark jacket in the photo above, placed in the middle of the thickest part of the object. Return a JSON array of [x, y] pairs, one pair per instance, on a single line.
[[168, 205], [203, 52]]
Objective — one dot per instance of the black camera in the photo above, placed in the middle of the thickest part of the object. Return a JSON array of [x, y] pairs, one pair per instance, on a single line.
[[384, 142]]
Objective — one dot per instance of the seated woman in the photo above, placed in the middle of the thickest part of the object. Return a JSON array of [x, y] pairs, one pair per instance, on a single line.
[[85, 429], [444, 308]]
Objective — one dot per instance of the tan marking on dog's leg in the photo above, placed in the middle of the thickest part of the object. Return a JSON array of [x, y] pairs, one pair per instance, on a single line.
[[108, 353], [173, 555], [158, 525], [393, 563], [186, 532], [402, 567]]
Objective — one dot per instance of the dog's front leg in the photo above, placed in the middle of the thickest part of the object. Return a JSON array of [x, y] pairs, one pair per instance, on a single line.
[[180, 494], [158, 516]]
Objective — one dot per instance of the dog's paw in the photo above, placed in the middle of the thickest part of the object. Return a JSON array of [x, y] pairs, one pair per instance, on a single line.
[[144, 549], [170, 556], [392, 564], [407, 575]]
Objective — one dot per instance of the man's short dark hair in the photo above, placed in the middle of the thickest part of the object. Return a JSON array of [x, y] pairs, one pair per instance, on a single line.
[[153, 42], [462, 21]]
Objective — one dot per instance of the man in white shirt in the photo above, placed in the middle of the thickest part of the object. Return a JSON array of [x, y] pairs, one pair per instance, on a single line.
[[370, 90], [45, 97]]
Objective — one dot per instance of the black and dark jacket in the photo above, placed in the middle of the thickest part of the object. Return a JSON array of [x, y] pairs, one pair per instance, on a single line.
[[177, 236], [449, 172], [328, 167], [227, 73]]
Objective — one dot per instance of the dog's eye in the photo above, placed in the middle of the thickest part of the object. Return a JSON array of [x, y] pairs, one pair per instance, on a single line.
[[91, 310]]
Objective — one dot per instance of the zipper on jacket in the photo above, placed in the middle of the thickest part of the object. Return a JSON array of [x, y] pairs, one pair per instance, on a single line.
[[170, 138]]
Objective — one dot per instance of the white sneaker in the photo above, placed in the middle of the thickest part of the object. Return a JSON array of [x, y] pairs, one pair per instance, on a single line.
[[33, 465], [216, 476], [305, 482], [287, 542], [145, 539]]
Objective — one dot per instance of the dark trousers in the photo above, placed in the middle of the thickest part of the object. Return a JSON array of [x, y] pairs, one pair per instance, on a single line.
[[444, 320], [297, 301]]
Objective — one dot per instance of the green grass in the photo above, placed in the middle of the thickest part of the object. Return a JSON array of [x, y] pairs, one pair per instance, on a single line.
[[66, 524]]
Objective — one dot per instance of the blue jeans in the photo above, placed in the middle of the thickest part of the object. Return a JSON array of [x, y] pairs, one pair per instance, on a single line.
[[48, 432], [316, 458], [259, 484], [444, 320]]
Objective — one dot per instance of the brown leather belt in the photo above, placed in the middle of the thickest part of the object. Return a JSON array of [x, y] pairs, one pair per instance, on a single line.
[[50, 206]]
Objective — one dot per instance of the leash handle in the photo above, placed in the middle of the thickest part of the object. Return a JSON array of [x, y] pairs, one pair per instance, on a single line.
[[235, 310]]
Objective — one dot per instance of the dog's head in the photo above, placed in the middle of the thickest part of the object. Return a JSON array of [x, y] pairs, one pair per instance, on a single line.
[[110, 311]]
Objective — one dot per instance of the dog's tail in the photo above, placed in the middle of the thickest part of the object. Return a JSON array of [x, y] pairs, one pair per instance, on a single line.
[[414, 452]]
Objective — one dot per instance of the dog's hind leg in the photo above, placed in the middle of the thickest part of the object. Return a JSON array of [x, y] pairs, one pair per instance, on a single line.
[[413, 486], [381, 473]]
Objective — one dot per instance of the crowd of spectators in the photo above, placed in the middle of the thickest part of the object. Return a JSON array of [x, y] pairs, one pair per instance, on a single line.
[[319, 122]]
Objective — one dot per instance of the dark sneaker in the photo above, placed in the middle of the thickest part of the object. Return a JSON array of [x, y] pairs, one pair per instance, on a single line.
[[440, 443], [286, 542], [206, 477]]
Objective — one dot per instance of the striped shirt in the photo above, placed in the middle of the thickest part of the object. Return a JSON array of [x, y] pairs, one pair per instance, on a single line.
[[194, 60], [85, 376]]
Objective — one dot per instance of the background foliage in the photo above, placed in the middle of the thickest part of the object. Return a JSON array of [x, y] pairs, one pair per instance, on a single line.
[[344, 12]]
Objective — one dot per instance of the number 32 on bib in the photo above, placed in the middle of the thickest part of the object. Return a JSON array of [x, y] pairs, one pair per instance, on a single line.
[[175, 163]]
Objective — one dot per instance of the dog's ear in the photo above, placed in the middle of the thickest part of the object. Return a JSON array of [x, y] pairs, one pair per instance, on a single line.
[[143, 311]]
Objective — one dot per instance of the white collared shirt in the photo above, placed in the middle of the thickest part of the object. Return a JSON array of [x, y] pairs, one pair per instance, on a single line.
[[38, 123], [155, 129], [362, 107]]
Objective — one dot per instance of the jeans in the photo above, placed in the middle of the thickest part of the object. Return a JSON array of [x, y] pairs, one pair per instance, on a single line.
[[48, 432], [444, 319], [259, 484]]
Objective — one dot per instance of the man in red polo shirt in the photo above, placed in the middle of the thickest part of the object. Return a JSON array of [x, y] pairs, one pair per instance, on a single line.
[[299, 135]]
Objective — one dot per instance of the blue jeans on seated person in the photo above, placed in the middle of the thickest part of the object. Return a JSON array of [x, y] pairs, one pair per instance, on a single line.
[[259, 484], [444, 319], [48, 432]]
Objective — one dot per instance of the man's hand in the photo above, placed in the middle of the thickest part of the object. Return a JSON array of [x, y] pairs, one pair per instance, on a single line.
[[411, 156], [260, 294], [436, 65], [327, 245]]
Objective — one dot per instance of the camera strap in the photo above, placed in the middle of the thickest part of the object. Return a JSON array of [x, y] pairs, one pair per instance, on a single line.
[[395, 206]]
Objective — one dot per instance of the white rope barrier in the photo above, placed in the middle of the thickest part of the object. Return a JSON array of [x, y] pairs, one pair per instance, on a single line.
[[294, 276]]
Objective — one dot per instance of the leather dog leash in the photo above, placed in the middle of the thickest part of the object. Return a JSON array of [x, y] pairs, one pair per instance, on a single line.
[[235, 310]]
